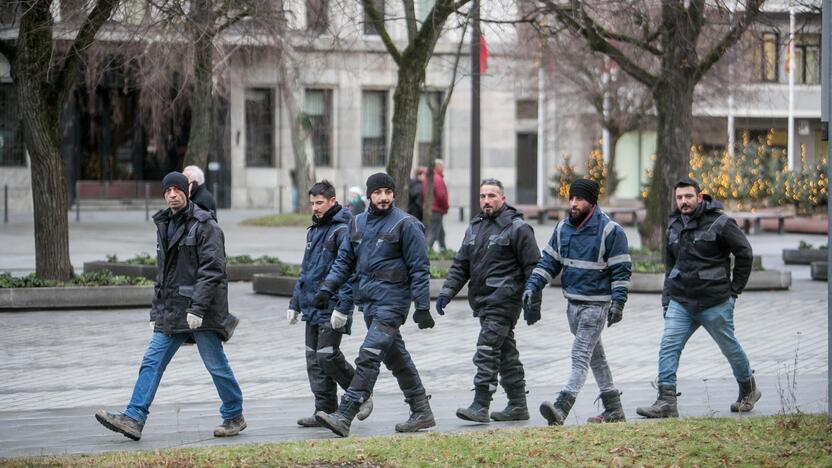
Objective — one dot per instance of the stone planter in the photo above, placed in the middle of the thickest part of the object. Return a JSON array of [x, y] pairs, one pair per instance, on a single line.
[[235, 272], [278, 285], [76, 297], [441, 263], [653, 283], [803, 256], [819, 271]]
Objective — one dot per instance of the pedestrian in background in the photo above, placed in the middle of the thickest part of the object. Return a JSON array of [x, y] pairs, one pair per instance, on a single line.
[[439, 206], [199, 193]]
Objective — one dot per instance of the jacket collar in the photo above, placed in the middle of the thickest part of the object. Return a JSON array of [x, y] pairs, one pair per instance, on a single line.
[[592, 219], [503, 217]]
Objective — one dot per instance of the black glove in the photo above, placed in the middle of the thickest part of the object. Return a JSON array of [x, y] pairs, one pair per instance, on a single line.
[[423, 319], [441, 302], [532, 300], [321, 300], [664, 311], [615, 314]]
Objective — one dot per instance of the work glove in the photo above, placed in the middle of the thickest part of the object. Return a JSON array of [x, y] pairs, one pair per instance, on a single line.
[[194, 321], [664, 311], [321, 300], [337, 320], [615, 314], [292, 316], [423, 319], [152, 325], [532, 301], [441, 302]]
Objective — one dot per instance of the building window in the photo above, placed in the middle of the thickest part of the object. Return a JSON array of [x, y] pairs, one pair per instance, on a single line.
[[259, 110], [526, 109], [12, 150], [317, 16], [317, 108], [766, 58], [370, 25], [424, 128], [807, 59], [374, 128]]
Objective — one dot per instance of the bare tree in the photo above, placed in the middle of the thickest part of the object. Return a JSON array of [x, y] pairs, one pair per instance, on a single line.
[[668, 47], [45, 72]]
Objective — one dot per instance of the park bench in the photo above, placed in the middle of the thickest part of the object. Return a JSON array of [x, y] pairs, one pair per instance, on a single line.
[[750, 222]]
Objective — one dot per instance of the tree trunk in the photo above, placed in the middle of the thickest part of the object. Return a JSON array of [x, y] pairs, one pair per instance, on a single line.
[[202, 100], [612, 177], [405, 112], [291, 92], [674, 102]]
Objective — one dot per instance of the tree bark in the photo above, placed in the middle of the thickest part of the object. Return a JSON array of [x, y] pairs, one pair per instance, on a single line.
[[202, 99], [290, 90], [612, 177], [405, 112]]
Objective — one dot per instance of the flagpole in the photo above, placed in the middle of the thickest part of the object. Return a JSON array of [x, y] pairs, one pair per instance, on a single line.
[[791, 149], [541, 131], [475, 111]]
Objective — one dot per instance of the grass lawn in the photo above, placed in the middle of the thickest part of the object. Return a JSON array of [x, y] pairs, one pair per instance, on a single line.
[[795, 440], [280, 220]]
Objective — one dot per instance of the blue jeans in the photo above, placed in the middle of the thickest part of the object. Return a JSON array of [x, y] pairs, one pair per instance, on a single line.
[[718, 321], [586, 322], [160, 351]]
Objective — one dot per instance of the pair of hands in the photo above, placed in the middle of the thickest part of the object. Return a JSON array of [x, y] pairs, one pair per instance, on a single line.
[[322, 299], [532, 301], [337, 319]]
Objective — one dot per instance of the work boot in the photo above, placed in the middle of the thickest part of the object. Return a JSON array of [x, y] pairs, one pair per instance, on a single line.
[[421, 417], [665, 405], [613, 412], [478, 410], [230, 427], [118, 422], [556, 413], [516, 410], [365, 409], [308, 421], [339, 422], [748, 396]]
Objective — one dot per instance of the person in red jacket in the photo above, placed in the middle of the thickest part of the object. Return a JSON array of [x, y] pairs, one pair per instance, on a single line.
[[439, 207]]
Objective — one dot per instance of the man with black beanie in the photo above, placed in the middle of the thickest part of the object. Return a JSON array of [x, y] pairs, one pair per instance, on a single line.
[[591, 252], [386, 251]]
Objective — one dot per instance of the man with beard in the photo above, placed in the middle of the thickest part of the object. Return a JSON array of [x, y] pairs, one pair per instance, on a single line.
[[325, 363], [591, 252], [699, 290], [497, 256], [386, 251]]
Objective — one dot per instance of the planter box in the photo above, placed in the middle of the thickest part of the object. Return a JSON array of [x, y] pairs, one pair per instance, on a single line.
[[235, 272], [277, 285], [653, 283], [441, 263], [76, 297], [803, 256], [819, 271]]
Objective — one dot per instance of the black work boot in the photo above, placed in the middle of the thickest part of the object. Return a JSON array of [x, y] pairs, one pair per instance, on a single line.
[[478, 410], [613, 411], [308, 421], [118, 422], [365, 409], [749, 395], [421, 417], [230, 427], [339, 422], [516, 410], [556, 413], [664, 407]]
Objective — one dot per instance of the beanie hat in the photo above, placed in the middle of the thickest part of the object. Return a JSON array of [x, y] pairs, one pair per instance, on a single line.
[[175, 179], [380, 180], [586, 189]]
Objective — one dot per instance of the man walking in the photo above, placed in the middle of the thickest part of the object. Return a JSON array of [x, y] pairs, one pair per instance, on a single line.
[[497, 256], [325, 363], [191, 303], [386, 250], [199, 194], [439, 206], [591, 252], [699, 290]]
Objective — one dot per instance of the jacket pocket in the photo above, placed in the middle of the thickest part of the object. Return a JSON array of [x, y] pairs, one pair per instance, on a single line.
[[715, 273], [187, 291]]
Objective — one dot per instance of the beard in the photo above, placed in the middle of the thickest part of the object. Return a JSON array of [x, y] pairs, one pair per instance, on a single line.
[[576, 218], [381, 211]]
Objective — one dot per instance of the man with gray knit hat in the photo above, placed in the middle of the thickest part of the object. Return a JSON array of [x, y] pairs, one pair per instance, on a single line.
[[591, 251]]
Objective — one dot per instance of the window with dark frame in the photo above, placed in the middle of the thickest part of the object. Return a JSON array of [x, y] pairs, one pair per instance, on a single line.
[[12, 148], [370, 25], [766, 57], [259, 111], [317, 16], [373, 128], [317, 109], [526, 109], [807, 59]]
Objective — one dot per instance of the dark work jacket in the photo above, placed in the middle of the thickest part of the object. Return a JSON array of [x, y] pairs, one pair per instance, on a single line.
[[322, 241], [205, 199], [496, 258], [191, 274], [387, 254], [697, 258]]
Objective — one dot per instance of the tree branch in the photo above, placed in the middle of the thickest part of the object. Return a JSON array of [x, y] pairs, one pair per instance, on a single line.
[[752, 9], [410, 19], [65, 80], [378, 23], [429, 33], [245, 13]]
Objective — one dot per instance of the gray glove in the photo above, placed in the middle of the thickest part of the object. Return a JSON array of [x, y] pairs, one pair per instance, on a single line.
[[292, 316], [338, 320], [615, 314], [152, 325], [194, 321]]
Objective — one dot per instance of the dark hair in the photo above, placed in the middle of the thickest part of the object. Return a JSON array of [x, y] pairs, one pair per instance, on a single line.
[[492, 181], [687, 182], [323, 188]]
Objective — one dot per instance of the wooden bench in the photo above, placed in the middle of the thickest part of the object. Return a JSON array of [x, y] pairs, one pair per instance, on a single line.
[[750, 222], [632, 211]]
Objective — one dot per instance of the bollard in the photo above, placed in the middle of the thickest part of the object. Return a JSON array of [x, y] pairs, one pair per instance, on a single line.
[[461, 214], [77, 203], [6, 204], [280, 197], [146, 201]]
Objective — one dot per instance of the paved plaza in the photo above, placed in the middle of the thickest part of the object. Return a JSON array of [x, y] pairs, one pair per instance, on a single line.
[[56, 368]]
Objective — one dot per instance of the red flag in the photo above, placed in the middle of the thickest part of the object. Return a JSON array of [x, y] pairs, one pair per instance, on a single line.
[[483, 55]]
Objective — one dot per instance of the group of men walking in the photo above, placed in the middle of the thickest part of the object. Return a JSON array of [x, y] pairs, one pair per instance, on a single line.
[[377, 260]]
